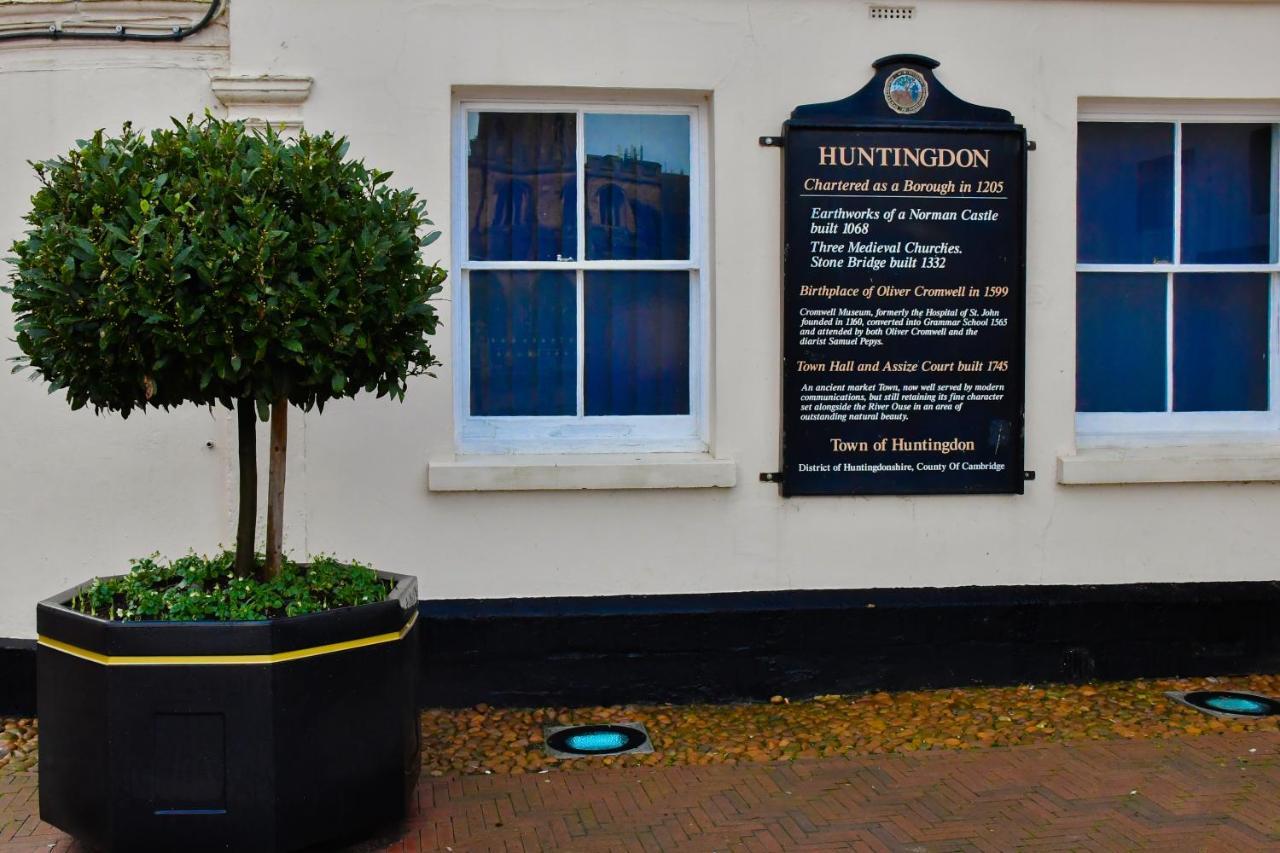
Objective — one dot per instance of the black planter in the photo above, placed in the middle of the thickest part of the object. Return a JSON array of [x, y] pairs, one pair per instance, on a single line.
[[244, 736]]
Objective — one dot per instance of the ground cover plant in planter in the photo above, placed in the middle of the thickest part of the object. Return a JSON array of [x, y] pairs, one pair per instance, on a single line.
[[195, 704]]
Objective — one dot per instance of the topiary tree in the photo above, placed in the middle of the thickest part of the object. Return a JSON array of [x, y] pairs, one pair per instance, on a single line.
[[212, 264]]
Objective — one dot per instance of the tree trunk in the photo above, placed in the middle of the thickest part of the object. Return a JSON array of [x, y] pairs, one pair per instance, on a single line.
[[275, 486], [247, 441]]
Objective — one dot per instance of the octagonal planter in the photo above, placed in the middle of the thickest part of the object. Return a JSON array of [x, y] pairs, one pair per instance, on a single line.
[[268, 735]]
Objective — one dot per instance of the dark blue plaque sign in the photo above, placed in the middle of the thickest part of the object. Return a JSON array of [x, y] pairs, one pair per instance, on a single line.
[[903, 292]]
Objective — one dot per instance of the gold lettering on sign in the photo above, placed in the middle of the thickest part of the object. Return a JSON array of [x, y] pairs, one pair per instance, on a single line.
[[897, 157]]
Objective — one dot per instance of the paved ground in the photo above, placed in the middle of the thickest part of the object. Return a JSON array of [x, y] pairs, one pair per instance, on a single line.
[[1210, 792]]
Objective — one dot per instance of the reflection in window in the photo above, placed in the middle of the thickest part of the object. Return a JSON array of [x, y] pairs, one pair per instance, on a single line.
[[562, 354], [611, 200], [637, 178], [521, 183]]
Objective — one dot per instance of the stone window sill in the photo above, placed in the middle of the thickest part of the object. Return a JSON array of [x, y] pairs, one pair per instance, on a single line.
[[1209, 463], [585, 471]]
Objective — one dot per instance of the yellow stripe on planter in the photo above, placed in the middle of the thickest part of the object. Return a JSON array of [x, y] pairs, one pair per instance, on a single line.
[[224, 660]]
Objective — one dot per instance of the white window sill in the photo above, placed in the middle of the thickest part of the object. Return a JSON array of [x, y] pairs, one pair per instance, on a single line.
[[1190, 463], [585, 471]]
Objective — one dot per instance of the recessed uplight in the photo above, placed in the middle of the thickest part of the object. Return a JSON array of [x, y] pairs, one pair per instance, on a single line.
[[603, 739], [1228, 703]]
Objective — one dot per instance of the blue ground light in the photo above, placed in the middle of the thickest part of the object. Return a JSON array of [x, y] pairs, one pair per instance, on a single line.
[[1237, 705], [597, 741], [600, 739], [1230, 703]]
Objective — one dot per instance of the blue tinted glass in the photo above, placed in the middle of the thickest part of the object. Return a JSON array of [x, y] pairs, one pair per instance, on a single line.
[[1124, 196], [637, 186], [1220, 342], [1226, 193], [637, 343], [597, 741], [1120, 342], [524, 351], [522, 186]]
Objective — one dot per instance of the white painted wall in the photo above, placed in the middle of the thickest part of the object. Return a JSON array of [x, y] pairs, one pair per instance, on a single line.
[[81, 494]]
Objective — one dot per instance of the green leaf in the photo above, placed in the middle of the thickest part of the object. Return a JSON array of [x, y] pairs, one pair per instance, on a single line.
[[87, 250]]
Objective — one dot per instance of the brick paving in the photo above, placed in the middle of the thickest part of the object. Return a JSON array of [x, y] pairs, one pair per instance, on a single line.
[[1211, 792]]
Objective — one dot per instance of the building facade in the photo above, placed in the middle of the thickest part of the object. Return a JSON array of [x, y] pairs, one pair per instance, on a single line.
[[612, 338]]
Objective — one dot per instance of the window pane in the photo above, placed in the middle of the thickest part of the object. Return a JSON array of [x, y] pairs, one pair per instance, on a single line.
[[637, 186], [1124, 199], [1220, 342], [522, 186], [1120, 342], [637, 343], [1226, 193], [524, 349]]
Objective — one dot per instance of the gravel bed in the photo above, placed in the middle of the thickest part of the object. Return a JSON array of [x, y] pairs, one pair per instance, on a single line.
[[506, 740], [19, 740], [484, 740]]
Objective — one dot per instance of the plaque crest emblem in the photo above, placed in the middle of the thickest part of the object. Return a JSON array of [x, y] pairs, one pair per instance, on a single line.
[[906, 91]]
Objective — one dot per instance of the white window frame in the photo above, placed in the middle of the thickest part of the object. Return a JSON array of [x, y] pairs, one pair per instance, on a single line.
[[579, 433], [1135, 429]]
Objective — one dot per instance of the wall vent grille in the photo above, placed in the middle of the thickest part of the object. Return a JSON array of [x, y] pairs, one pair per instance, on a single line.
[[893, 13]]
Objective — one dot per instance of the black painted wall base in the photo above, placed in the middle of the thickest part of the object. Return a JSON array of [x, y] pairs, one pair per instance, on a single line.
[[749, 646], [18, 677]]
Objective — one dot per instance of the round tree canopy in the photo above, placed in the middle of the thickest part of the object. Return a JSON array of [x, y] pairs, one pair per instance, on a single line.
[[208, 262]]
